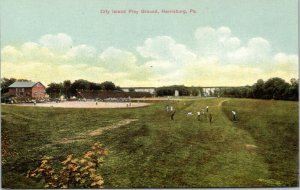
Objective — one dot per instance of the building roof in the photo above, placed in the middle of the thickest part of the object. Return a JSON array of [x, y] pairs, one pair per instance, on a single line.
[[22, 84]]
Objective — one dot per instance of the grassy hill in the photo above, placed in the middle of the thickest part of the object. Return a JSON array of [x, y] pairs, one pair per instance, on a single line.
[[260, 149]]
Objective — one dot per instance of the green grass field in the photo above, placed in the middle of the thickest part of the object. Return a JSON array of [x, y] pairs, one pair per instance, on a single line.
[[259, 150]]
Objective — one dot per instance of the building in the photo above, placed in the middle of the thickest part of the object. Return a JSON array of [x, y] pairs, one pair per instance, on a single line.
[[27, 89]]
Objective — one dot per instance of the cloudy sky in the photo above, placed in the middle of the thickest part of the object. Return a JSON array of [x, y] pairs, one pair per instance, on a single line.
[[226, 43]]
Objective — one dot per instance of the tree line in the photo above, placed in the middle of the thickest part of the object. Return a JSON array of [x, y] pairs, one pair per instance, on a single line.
[[182, 91], [67, 88], [273, 88]]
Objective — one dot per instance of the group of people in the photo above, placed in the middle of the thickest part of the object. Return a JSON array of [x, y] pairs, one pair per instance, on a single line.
[[199, 113], [203, 112]]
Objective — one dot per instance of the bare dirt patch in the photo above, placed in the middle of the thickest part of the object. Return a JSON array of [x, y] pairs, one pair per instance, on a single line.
[[97, 132], [117, 125], [250, 146], [87, 104]]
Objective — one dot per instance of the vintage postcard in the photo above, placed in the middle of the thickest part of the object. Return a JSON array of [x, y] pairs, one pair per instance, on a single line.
[[149, 94]]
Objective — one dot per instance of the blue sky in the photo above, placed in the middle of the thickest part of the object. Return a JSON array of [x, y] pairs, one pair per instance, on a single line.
[[218, 45]]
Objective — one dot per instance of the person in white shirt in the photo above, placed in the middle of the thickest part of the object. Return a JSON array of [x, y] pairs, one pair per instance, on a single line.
[[199, 115], [233, 115]]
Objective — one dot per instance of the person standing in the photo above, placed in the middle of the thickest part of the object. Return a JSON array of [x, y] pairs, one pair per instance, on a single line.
[[210, 118], [233, 115], [172, 116], [207, 109], [199, 116], [167, 108]]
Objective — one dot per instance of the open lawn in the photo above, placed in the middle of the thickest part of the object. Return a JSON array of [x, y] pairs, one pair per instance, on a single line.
[[148, 149]]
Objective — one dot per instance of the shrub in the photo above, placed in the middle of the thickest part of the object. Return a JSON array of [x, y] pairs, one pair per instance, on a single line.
[[75, 172]]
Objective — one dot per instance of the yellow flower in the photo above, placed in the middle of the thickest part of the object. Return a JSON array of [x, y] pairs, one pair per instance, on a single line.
[[88, 154], [69, 158], [83, 161]]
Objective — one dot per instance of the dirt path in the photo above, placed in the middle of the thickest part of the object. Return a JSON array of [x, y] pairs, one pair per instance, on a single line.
[[97, 132], [220, 103]]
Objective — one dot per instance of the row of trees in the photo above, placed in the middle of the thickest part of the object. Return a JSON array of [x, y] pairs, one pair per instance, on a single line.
[[183, 91], [274, 88], [69, 89]]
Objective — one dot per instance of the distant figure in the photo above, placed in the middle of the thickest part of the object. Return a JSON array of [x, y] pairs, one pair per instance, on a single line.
[[189, 113], [210, 118], [202, 111], [199, 116], [206, 108], [172, 116], [233, 115], [129, 104], [34, 103], [96, 102], [171, 108], [167, 108]]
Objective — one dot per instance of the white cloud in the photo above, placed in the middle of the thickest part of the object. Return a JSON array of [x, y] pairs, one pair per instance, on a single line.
[[220, 58], [257, 50], [10, 53], [59, 42], [165, 48], [212, 41], [116, 60], [81, 51]]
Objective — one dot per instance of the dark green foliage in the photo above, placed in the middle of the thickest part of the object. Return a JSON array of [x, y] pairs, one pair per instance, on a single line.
[[54, 90], [5, 83], [274, 88], [67, 88], [183, 91]]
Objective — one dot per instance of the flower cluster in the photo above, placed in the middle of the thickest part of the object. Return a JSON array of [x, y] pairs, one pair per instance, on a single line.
[[75, 172]]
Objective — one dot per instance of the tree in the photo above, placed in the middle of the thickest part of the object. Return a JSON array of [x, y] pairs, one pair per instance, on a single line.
[[54, 90], [293, 90], [79, 85], [108, 85], [5, 83], [276, 88], [95, 86], [258, 89], [67, 88]]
